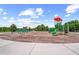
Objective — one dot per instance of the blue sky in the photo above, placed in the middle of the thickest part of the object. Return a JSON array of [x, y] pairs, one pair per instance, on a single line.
[[32, 15]]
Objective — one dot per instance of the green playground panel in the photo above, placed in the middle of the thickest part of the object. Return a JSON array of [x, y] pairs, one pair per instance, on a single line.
[[53, 31], [59, 26], [22, 30]]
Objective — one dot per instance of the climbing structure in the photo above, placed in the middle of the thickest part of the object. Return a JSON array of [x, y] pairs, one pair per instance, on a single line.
[[58, 23], [58, 26]]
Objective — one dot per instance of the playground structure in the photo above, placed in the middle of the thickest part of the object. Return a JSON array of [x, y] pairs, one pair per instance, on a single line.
[[58, 29], [58, 26], [22, 30]]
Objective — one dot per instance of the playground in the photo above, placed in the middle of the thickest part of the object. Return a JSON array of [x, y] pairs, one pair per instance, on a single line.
[[53, 35]]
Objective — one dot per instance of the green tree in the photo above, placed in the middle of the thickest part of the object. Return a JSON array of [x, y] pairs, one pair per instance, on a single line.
[[41, 27], [73, 25], [29, 29], [25, 28], [13, 28]]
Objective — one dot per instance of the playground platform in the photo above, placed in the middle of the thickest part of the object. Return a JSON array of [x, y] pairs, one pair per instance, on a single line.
[[26, 48]]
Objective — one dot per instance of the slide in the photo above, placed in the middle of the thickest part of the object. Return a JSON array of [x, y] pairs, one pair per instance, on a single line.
[[53, 31]]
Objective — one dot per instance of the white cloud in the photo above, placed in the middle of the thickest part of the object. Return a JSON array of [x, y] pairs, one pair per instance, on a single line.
[[11, 21], [33, 13], [39, 11], [72, 9], [26, 12], [55, 15], [11, 18], [34, 16], [4, 18], [4, 13], [27, 21], [24, 20], [8, 18], [1, 9], [67, 15]]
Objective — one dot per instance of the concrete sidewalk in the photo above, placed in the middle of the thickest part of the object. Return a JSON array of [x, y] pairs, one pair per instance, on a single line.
[[25, 48]]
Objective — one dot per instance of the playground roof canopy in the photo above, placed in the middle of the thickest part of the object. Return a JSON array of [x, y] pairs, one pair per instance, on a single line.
[[57, 18]]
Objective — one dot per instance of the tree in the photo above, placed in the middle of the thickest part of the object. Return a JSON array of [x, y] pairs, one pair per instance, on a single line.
[[73, 26], [46, 28], [29, 29], [25, 27], [13, 28], [4, 29], [0, 29], [41, 27]]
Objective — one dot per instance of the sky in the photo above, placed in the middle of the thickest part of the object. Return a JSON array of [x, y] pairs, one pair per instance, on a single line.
[[32, 15]]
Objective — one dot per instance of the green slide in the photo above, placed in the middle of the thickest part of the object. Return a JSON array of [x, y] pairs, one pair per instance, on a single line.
[[53, 31]]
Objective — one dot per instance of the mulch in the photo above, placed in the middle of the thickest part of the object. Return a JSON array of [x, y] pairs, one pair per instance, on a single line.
[[39, 37]]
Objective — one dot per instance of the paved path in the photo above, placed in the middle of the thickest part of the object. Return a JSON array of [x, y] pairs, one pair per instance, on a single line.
[[24, 48]]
